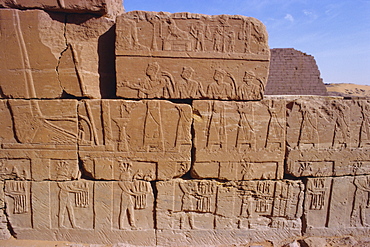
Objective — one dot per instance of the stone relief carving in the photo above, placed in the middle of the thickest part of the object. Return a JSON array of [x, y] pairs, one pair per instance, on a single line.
[[137, 132], [326, 137], [227, 138], [199, 33], [225, 41], [201, 204], [342, 201]]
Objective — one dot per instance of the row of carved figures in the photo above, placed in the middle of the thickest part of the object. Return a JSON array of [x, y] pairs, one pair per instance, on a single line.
[[199, 36], [161, 84]]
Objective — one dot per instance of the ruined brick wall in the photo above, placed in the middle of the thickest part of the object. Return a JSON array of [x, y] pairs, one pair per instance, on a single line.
[[179, 146], [293, 72]]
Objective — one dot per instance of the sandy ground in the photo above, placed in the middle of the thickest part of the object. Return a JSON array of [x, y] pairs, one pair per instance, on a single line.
[[348, 90]]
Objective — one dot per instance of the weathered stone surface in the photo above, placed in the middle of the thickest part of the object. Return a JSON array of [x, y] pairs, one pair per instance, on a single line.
[[293, 72], [89, 39], [46, 55], [196, 212], [337, 206], [4, 232], [327, 137], [41, 141], [152, 137], [102, 7], [190, 56], [239, 140], [82, 211]]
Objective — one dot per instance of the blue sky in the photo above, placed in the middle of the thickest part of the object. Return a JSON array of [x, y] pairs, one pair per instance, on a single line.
[[335, 32]]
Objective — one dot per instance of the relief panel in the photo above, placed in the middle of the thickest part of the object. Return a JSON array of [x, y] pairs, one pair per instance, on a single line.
[[41, 140], [196, 208], [239, 140], [152, 136], [82, 211], [337, 206], [235, 48], [327, 137]]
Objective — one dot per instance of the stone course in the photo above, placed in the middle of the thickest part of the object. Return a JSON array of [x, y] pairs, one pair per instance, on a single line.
[[184, 150]]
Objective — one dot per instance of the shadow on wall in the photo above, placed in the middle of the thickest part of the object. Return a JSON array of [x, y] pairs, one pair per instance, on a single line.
[[107, 68]]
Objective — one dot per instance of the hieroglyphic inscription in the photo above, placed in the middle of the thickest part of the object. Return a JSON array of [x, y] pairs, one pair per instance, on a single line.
[[82, 210], [339, 204], [327, 137], [230, 43], [201, 204], [230, 138], [153, 136]]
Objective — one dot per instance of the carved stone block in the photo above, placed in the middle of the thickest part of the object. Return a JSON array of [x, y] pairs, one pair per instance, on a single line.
[[110, 7], [328, 137], [152, 138], [50, 55], [40, 141], [82, 211], [190, 56], [193, 212], [239, 140], [337, 206]]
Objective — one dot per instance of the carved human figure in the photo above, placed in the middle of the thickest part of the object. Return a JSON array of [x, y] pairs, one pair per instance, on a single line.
[[216, 133], [67, 196], [244, 35], [189, 88], [275, 128], [230, 41], [197, 31], [220, 89], [245, 137], [153, 134], [251, 88], [218, 38], [187, 205], [361, 202], [127, 203], [308, 134], [182, 130], [365, 124], [259, 38], [121, 122], [299, 208], [154, 20], [129, 35], [154, 85], [246, 209], [341, 129]]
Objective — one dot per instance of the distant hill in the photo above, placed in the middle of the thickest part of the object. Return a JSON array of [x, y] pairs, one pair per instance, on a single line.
[[348, 90]]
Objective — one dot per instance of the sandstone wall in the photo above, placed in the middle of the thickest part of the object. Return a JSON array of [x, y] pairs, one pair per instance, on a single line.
[[293, 72], [188, 153]]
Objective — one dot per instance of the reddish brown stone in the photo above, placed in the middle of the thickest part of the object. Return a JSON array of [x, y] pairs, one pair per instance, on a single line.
[[293, 72]]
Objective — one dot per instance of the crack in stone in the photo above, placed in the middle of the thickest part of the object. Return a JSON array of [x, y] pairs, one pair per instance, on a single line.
[[61, 54]]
